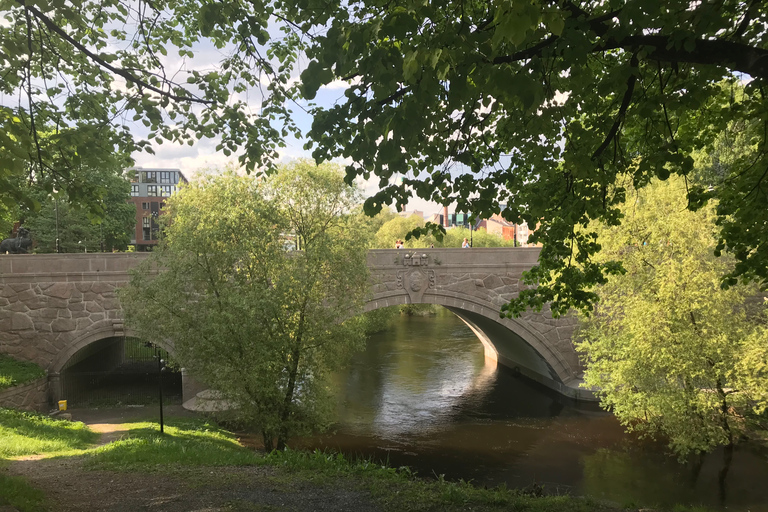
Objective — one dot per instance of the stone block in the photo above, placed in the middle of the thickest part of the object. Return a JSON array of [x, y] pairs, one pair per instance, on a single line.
[[26, 295], [59, 290], [76, 307], [63, 325], [18, 307], [49, 313], [79, 314], [102, 288], [53, 302], [42, 326], [84, 323], [493, 282], [93, 307], [84, 286], [20, 322], [65, 313]]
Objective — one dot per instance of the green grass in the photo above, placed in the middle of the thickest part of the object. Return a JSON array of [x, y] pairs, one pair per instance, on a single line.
[[400, 489], [184, 443], [24, 433], [189, 446], [16, 492], [13, 372]]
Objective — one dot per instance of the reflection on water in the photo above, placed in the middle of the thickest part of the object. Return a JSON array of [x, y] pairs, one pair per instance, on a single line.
[[423, 395]]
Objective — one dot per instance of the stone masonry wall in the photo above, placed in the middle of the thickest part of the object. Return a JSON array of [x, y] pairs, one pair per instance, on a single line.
[[32, 396], [49, 301], [40, 320], [53, 304]]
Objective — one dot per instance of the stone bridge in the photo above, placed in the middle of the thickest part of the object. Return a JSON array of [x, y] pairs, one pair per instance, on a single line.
[[54, 305]]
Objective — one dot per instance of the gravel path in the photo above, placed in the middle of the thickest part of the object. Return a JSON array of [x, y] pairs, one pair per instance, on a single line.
[[70, 488]]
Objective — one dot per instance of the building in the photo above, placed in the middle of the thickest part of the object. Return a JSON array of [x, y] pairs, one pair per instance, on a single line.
[[499, 226], [149, 188]]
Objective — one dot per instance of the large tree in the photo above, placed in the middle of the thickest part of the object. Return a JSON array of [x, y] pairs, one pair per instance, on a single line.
[[261, 325], [668, 351], [84, 80], [547, 106], [77, 228], [544, 106]]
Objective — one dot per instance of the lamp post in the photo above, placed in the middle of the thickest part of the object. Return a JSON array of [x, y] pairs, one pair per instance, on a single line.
[[160, 369], [56, 210]]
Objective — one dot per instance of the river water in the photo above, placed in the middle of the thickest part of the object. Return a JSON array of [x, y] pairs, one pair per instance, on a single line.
[[422, 394]]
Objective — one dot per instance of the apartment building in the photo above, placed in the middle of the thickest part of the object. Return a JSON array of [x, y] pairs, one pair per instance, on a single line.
[[149, 189]]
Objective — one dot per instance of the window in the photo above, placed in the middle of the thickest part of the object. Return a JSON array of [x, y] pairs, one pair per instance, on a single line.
[[149, 177], [166, 190], [134, 190], [152, 190], [146, 227], [165, 177], [145, 206]]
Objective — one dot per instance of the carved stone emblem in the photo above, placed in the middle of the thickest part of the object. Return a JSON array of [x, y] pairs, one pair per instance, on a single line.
[[416, 279], [416, 282]]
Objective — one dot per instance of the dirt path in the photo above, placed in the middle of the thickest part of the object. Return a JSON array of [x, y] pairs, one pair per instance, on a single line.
[[70, 488]]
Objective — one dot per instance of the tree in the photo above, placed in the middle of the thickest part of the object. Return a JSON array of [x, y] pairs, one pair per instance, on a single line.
[[396, 229], [261, 325], [669, 351], [77, 228], [545, 106], [549, 107], [76, 74]]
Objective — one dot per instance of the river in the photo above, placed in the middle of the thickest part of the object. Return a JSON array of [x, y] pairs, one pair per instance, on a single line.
[[422, 394]]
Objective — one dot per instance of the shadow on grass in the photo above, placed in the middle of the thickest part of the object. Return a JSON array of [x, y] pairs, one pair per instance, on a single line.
[[25, 433], [17, 493], [184, 443]]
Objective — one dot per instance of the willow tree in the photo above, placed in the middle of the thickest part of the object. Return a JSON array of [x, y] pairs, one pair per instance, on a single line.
[[262, 325], [668, 350]]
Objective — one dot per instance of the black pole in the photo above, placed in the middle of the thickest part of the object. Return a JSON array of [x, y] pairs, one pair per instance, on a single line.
[[160, 363], [56, 209]]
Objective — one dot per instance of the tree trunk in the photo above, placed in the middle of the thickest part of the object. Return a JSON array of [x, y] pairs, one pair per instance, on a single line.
[[282, 435], [727, 459], [268, 441]]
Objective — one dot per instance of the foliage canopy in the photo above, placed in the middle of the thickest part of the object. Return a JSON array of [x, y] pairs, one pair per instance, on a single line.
[[546, 107], [667, 349], [259, 324]]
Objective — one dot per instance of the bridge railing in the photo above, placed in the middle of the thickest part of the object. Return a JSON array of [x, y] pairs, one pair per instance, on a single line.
[[115, 266]]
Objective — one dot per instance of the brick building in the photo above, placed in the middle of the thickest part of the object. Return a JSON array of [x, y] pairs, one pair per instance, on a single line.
[[149, 188]]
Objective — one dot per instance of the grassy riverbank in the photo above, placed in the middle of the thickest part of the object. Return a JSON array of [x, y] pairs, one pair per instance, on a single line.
[[209, 465], [14, 373]]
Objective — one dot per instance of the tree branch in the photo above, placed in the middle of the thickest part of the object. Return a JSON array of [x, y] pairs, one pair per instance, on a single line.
[[622, 109], [95, 58]]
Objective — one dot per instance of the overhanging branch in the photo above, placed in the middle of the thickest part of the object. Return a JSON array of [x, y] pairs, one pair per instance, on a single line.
[[101, 62]]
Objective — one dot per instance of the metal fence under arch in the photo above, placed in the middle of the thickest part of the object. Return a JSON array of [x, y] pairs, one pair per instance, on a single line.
[[118, 371]]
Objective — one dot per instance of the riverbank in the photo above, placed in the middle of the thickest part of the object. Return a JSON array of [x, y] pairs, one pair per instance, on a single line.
[[126, 466]]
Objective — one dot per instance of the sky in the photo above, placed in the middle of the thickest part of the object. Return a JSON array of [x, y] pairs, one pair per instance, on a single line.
[[203, 155]]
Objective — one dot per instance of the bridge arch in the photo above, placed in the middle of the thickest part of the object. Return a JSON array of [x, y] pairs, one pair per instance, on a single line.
[[92, 335], [509, 341]]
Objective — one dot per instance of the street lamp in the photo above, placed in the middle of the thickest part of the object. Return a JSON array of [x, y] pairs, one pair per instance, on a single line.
[[56, 210], [160, 370]]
